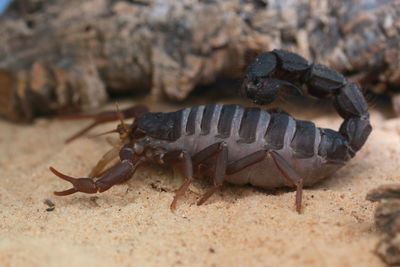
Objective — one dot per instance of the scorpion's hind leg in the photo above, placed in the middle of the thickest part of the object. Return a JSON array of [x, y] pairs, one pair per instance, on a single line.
[[283, 166], [183, 160], [106, 116], [290, 174], [220, 151], [119, 174]]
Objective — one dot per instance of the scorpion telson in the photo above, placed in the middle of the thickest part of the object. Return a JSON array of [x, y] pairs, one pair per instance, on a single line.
[[240, 145]]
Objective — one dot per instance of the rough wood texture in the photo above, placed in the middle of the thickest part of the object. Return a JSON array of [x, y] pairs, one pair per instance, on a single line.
[[387, 219], [58, 56]]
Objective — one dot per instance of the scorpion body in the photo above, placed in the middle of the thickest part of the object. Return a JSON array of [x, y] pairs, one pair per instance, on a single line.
[[242, 145], [244, 131]]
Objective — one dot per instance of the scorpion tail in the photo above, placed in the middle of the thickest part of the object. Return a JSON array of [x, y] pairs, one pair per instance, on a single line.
[[274, 70], [349, 102]]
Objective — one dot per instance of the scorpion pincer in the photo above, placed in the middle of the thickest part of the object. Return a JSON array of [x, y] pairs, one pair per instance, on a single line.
[[240, 145]]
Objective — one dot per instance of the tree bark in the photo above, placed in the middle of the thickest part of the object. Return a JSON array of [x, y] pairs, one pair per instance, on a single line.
[[61, 56]]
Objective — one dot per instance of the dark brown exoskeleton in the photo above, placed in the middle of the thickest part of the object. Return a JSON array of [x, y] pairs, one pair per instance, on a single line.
[[242, 145]]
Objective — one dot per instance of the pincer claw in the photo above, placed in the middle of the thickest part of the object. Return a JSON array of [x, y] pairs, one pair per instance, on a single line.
[[85, 185]]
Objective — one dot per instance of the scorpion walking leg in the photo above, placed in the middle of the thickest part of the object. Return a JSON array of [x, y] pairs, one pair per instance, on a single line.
[[220, 150], [291, 175], [119, 174], [184, 161], [106, 116], [246, 161], [283, 166], [106, 170], [110, 156], [83, 131], [102, 163]]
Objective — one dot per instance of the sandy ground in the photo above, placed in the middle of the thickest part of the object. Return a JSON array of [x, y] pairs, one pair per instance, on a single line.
[[131, 224]]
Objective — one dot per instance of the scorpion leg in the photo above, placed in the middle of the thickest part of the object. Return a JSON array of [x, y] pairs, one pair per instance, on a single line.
[[184, 161], [102, 163], [291, 175], [119, 174], [230, 169], [106, 116], [110, 156], [283, 166], [246, 161], [106, 170], [220, 150]]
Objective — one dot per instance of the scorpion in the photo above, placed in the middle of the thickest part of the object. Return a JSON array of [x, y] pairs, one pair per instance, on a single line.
[[230, 143]]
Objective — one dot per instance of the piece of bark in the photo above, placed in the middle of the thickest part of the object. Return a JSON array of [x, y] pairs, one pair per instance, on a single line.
[[59, 56], [387, 219]]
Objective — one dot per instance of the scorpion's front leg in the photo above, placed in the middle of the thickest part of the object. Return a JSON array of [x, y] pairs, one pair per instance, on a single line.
[[186, 163], [220, 151], [119, 174], [100, 168], [183, 160]]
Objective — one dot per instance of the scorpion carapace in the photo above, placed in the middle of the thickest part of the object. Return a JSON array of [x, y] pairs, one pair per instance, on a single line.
[[241, 145]]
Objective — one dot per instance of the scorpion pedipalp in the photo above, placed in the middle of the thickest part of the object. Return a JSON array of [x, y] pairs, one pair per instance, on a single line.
[[85, 185], [118, 174]]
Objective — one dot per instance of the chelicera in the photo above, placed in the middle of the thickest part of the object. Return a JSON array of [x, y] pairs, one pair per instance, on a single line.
[[240, 145]]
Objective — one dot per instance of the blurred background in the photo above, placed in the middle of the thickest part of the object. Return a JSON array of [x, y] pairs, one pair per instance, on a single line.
[[58, 57], [3, 5]]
